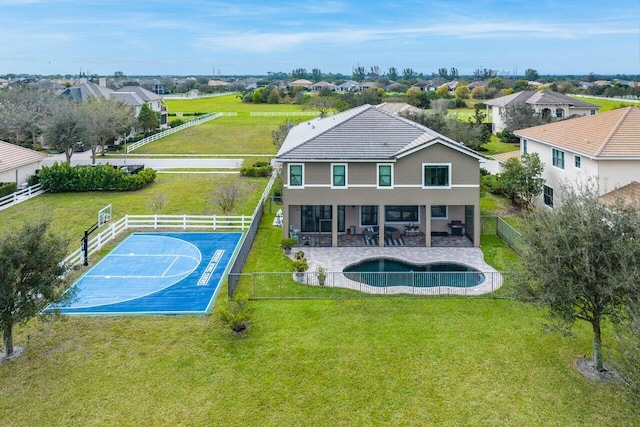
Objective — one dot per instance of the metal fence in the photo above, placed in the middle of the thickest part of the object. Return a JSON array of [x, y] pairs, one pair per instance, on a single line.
[[159, 135], [494, 225], [340, 285], [20, 196]]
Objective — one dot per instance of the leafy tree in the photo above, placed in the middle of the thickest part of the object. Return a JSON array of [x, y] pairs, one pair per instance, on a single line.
[[521, 85], [478, 92], [67, 125], [321, 104], [109, 119], [359, 73], [371, 96], [453, 73], [274, 96], [279, 135], [521, 116], [581, 260], [23, 111], [531, 74], [393, 73], [521, 180], [316, 75], [408, 74], [299, 73], [444, 73], [496, 83], [440, 106], [148, 119], [374, 71], [484, 74], [31, 272], [443, 92], [417, 97], [462, 92], [628, 339]]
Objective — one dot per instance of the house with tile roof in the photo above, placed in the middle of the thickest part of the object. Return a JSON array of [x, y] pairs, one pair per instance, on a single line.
[[18, 163], [549, 104], [605, 146], [364, 170]]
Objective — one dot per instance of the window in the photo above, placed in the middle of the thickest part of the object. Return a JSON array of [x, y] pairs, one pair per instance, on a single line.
[[385, 175], [314, 219], [524, 146], [436, 175], [338, 176], [296, 175], [439, 212], [577, 161], [401, 214], [548, 196], [368, 215], [558, 158], [593, 112], [559, 113]]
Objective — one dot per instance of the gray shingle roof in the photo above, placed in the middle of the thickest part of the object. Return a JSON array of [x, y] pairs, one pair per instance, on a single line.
[[143, 93], [543, 97], [362, 133]]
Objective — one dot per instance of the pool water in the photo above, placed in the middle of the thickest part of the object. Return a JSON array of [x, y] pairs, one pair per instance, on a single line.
[[382, 272]]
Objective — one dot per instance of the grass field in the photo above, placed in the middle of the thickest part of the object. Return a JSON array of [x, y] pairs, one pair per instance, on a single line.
[[608, 104], [226, 103]]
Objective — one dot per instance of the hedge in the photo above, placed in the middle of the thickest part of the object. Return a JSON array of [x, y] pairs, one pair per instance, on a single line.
[[7, 188], [62, 177], [258, 169]]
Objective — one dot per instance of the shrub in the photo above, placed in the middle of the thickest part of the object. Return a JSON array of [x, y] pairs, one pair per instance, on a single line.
[[62, 177], [236, 314], [258, 169], [7, 188], [176, 122]]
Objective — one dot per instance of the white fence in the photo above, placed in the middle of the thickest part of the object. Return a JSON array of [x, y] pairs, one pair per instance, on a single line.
[[182, 222], [171, 131], [284, 114], [20, 196]]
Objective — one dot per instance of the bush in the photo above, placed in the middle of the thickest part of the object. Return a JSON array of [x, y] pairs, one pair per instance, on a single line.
[[507, 135], [176, 122], [7, 188], [62, 177], [258, 169], [33, 180], [236, 314]]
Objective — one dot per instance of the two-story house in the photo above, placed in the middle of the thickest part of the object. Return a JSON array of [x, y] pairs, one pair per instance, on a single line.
[[605, 146], [549, 104], [365, 171]]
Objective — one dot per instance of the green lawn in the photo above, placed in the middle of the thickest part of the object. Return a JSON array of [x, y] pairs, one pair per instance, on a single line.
[[241, 135], [225, 103], [608, 104]]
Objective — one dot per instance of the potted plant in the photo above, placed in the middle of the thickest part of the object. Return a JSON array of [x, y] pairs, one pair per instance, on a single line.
[[321, 274], [287, 243], [300, 255], [299, 267]]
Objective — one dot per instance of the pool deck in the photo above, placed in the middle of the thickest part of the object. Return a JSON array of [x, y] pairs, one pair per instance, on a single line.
[[336, 259]]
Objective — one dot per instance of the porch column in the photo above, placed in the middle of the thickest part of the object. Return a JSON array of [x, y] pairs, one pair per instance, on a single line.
[[285, 220], [477, 227], [381, 226], [427, 225], [334, 226]]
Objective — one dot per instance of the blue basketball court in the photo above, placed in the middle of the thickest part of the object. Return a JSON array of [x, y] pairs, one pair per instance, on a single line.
[[156, 273]]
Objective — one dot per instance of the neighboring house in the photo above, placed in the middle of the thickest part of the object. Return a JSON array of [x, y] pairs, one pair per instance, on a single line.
[[368, 85], [503, 157], [303, 83], [399, 108], [348, 86], [628, 195], [425, 86], [323, 85], [605, 146], [17, 163], [366, 170], [47, 85], [549, 104], [219, 84]]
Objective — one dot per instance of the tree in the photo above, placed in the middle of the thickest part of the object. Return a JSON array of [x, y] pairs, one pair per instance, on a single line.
[[393, 73], [67, 125], [417, 97], [229, 193], [484, 74], [109, 119], [496, 83], [316, 75], [23, 111], [148, 119], [299, 73], [453, 73], [359, 73], [408, 74], [443, 92], [522, 180], [462, 92], [627, 362], [279, 135], [521, 85], [31, 272], [321, 104], [521, 116], [478, 92], [580, 260], [440, 106], [444, 73], [374, 71], [531, 74]]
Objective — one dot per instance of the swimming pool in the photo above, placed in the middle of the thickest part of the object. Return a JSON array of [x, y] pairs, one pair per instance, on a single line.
[[383, 272]]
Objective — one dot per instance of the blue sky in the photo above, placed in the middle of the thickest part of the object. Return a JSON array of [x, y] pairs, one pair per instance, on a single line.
[[194, 37]]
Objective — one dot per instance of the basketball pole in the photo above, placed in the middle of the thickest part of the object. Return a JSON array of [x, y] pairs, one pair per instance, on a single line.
[[85, 242]]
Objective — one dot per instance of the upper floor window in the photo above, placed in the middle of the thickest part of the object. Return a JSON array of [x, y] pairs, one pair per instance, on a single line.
[[524, 146], [577, 161], [338, 176], [558, 158], [559, 113], [296, 175], [436, 175], [385, 175]]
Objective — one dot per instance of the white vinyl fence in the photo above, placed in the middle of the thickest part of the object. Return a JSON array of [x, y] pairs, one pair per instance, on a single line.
[[20, 196], [183, 222], [194, 122], [284, 114]]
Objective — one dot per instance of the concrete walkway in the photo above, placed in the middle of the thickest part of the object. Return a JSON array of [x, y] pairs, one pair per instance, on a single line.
[[336, 259]]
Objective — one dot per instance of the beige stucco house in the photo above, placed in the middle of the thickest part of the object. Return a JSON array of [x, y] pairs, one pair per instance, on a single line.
[[605, 146], [549, 104], [17, 163], [364, 173]]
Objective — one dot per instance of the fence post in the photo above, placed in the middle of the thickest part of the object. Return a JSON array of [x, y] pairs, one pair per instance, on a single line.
[[184, 222], [214, 222], [155, 221]]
